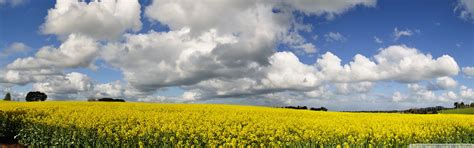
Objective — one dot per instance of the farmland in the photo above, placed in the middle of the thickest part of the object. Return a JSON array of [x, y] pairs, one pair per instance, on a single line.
[[139, 124], [459, 111]]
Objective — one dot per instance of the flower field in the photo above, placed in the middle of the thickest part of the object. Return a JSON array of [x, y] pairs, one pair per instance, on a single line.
[[144, 124]]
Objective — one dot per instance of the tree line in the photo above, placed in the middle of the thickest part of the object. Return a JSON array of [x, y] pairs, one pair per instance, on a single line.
[[306, 108], [40, 96], [31, 96], [462, 105]]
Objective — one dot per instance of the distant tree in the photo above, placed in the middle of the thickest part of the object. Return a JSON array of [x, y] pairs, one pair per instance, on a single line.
[[319, 109], [111, 100], [461, 105], [324, 109], [456, 104], [8, 97], [36, 96], [472, 104]]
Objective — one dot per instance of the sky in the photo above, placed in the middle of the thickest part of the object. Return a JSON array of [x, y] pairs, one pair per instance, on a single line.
[[343, 55]]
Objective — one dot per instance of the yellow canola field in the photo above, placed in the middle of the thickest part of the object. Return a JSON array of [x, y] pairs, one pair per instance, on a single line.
[[99, 123]]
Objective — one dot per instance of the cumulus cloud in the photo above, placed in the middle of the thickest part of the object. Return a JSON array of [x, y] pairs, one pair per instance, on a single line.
[[354, 88], [328, 8], [15, 47], [394, 63], [469, 71], [296, 41], [443, 83], [466, 93], [210, 57], [400, 33], [419, 93], [23, 77], [199, 47], [100, 19], [286, 73], [465, 8], [335, 37], [398, 97], [66, 86], [76, 51], [201, 15], [172, 58]]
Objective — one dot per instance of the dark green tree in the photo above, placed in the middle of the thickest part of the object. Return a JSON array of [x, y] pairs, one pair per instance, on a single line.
[[461, 105], [456, 104], [36, 96], [8, 97]]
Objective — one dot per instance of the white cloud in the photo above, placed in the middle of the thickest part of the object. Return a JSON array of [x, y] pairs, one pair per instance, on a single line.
[[394, 63], [66, 86], [400, 33], [210, 57], [15, 47], [173, 56], [203, 48], [419, 93], [398, 97], [170, 99], [469, 71], [23, 77], [296, 41], [466, 93], [12, 3], [406, 64], [108, 90], [443, 83], [76, 51], [100, 19], [353, 88], [465, 8], [286, 73], [335, 37], [202, 15], [328, 8], [448, 96], [377, 40], [308, 48]]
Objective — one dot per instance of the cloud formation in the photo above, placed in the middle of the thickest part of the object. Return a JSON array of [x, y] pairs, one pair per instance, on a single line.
[[378, 40], [465, 8], [400, 33], [15, 47], [12, 3], [220, 49], [69, 86], [469, 71], [334, 37], [77, 51], [100, 19]]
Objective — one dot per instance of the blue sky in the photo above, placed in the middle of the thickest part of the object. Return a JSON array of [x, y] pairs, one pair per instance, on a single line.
[[435, 28]]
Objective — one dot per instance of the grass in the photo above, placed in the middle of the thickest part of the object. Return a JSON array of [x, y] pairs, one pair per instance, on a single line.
[[459, 111]]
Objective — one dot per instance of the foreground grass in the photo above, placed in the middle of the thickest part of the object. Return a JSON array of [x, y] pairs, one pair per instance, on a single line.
[[100, 123], [459, 111]]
